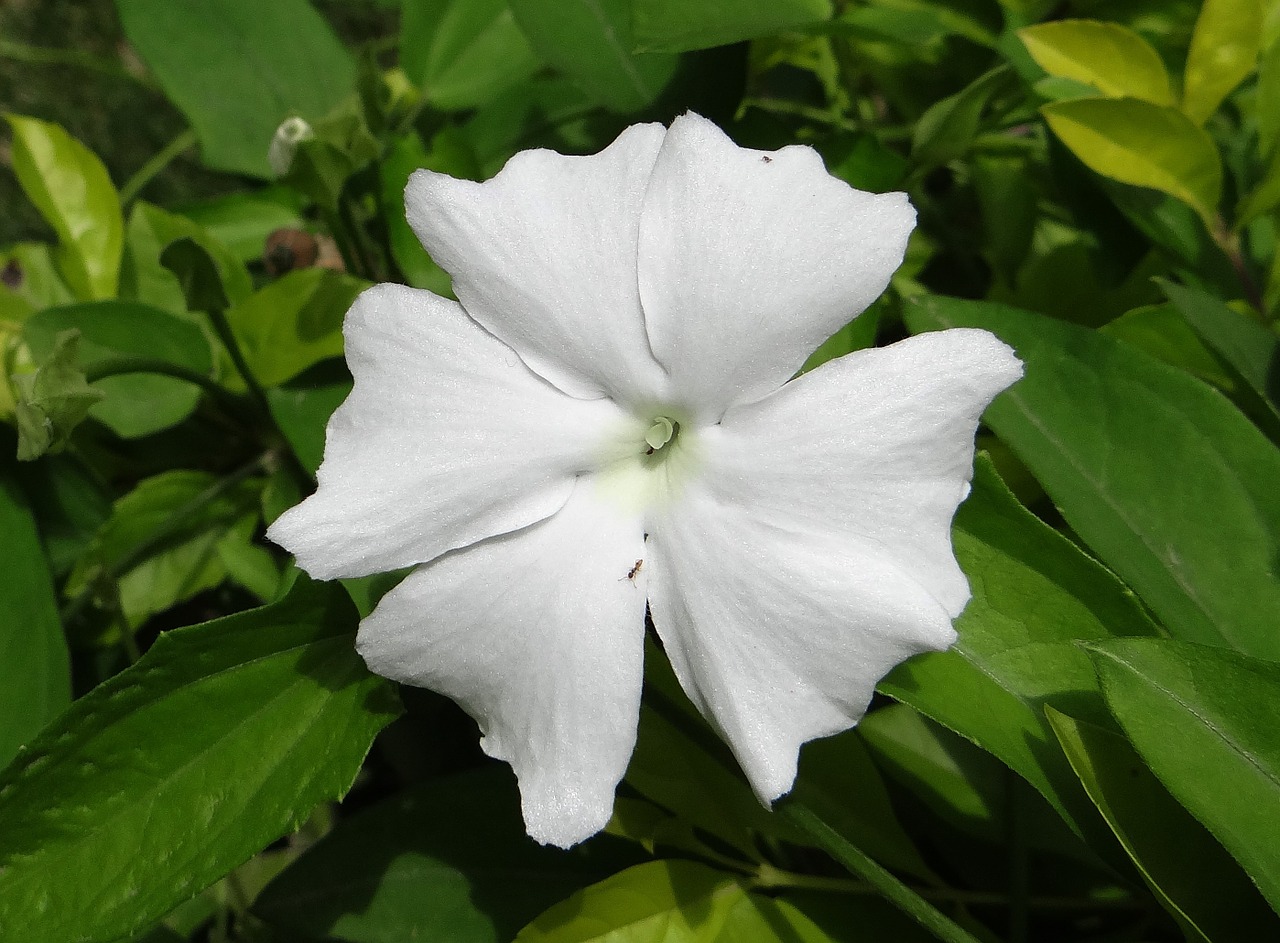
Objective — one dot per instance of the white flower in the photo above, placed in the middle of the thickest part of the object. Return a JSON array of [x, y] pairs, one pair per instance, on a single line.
[[605, 421]]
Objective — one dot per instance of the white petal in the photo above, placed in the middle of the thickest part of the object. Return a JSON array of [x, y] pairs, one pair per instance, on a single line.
[[875, 447], [544, 256], [539, 636], [750, 259], [779, 636], [446, 438], [813, 554]]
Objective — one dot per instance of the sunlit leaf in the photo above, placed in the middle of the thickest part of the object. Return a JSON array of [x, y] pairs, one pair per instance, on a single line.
[[1146, 145], [71, 189], [1224, 49], [1112, 58], [221, 739]]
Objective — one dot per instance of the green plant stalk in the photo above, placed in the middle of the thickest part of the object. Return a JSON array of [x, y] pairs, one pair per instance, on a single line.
[[888, 886], [41, 55], [123, 366], [158, 162]]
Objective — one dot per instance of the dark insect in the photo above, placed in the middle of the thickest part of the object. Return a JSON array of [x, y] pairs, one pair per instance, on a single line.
[[765, 158], [631, 574]]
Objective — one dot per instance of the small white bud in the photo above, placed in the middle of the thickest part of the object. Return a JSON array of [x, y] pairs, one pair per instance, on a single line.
[[291, 133]]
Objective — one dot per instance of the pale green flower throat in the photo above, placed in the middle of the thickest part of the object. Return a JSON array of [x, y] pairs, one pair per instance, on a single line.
[[663, 432]]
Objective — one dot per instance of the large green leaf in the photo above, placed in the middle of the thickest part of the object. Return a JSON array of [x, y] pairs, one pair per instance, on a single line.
[[134, 404], [1224, 49], [1205, 719], [1162, 477], [35, 674], [1112, 58], [1033, 593], [237, 68], [591, 42], [71, 189], [444, 862], [302, 411], [462, 53], [1142, 144], [220, 740], [1189, 872], [293, 323], [678, 25]]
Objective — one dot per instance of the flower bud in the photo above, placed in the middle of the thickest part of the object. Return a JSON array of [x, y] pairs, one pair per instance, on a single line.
[[284, 145]]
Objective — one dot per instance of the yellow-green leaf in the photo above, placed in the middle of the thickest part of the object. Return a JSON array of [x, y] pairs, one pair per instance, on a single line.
[[1136, 142], [71, 189], [1112, 58], [1224, 49]]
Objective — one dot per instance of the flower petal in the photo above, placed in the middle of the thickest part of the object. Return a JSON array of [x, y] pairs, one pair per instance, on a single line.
[[750, 259], [446, 439], [539, 636], [777, 636], [876, 446], [544, 256], [813, 552]]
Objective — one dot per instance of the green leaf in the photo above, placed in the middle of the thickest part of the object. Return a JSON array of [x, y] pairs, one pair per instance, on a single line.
[[839, 781], [294, 322], [145, 278], [1034, 592], [449, 860], [1224, 49], [1189, 872], [242, 221], [1205, 719], [1146, 145], [1112, 58], [1252, 350], [672, 901], [962, 786], [1267, 116], [1098, 422], [947, 129], [678, 26], [231, 731], [160, 544], [302, 411], [237, 68], [1161, 331], [35, 670], [53, 400], [133, 404], [463, 53], [71, 189], [591, 42]]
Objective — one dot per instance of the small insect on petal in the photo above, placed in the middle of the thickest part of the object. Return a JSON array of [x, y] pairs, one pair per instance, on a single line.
[[631, 574]]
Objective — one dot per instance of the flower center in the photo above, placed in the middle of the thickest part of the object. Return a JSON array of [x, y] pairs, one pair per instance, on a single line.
[[662, 433]]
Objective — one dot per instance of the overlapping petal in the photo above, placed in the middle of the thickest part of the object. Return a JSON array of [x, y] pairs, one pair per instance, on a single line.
[[538, 635], [813, 553], [446, 438], [750, 259], [544, 256], [874, 447], [779, 636]]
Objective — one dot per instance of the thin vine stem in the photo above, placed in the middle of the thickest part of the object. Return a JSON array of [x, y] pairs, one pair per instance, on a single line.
[[153, 167], [876, 876]]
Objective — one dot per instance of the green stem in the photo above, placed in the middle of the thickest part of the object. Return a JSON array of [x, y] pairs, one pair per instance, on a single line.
[[888, 886], [222, 327], [795, 110], [158, 162], [43, 55], [122, 366]]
